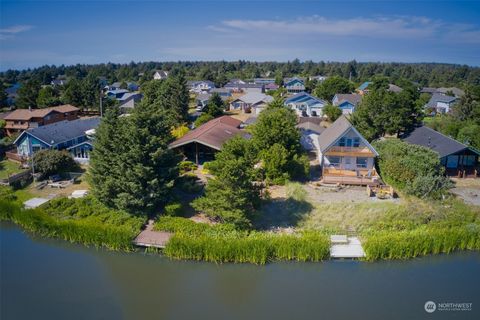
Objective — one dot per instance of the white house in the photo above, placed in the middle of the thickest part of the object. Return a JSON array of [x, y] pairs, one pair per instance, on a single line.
[[306, 105], [160, 75], [441, 103], [251, 102], [200, 86]]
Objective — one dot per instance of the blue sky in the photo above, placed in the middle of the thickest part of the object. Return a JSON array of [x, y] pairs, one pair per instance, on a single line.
[[34, 33]]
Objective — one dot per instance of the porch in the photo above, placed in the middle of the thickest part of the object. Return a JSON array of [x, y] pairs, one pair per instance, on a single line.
[[362, 177], [350, 152]]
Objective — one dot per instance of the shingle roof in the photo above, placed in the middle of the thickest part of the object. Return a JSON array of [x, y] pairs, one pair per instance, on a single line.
[[353, 98], [456, 91], [332, 133], [427, 137], [307, 125], [62, 131], [438, 97], [394, 88], [304, 98], [243, 85], [255, 97], [214, 133], [27, 114]]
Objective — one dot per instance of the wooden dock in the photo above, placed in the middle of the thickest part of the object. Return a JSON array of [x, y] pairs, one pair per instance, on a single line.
[[349, 248], [150, 238]]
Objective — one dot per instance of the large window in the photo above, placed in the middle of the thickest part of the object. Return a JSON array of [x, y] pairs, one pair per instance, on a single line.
[[356, 142], [335, 161], [362, 162], [341, 142]]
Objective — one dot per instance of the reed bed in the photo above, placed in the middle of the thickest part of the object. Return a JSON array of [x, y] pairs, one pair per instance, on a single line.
[[87, 231], [408, 244], [254, 247]]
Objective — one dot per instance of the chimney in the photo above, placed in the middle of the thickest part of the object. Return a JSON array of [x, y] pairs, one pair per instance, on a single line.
[[30, 108]]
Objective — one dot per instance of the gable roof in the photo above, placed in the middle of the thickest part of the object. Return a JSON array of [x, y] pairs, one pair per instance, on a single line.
[[213, 134], [243, 85], [456, 91], [353, 98], [394, 88], [62, 131], [27, 114], [427, 137], [288, 81], [304, 98], [311, 126], [255, 97], [438, 97], [330, 135]]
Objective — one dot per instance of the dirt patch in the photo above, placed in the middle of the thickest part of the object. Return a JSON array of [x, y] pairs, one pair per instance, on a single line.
[[468, 190], [321, 195]]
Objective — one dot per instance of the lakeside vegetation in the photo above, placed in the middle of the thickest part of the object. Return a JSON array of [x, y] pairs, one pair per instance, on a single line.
[[83, 221]]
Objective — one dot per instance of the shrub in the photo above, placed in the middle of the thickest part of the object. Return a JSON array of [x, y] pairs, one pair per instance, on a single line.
[[189, 183], [205, 117], [188, 227], [185, 166], [173, 209], [332, 112], [180, 131], [48, 162]]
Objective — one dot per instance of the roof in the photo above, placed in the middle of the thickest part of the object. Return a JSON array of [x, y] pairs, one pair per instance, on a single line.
[[364, 85], [337, 130], [427, 137], [255, 97], [213, 134], [287, 81], [456, 91], [394, 88], [304, 98], [353, 98], [192, 83], [62, 131], [312, 126], [221, 90], [128, 104], [130, 95], [428, 90], [243, 85], [27, 114], [438, 97]]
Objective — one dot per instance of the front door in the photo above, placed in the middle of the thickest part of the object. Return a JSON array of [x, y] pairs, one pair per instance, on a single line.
[[350, 163]]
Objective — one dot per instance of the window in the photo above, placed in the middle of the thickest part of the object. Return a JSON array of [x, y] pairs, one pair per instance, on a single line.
[[362, 162], [335, 161], [356, 142], [341, 142]]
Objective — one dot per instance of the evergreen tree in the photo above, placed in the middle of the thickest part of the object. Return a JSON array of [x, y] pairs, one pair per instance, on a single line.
[[332, 112], [73, 93], [48, 97], [333, 85], [28, 94], [3, 96], [215, 106]]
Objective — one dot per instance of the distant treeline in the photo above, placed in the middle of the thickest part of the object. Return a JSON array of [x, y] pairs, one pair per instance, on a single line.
[[425, 74]]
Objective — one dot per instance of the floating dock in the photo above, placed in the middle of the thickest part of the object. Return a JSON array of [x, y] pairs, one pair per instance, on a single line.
[[343, 247], [150, 238]]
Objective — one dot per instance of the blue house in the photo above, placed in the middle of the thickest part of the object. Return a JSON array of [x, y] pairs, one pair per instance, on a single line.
[[347, 102], [294, 85], [74, 136], [306, 105]]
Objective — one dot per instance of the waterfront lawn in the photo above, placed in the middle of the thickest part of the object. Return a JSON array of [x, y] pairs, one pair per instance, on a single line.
[[8, 168]]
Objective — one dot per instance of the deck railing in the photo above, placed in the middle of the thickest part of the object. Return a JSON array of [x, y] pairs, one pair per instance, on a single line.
[[350, 149], [13, 155], [358, 172]]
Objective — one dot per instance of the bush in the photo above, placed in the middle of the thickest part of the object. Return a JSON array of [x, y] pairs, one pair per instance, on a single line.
[[173, 209], [205, 117], [48, 162], [180, 131], [188, 227], [185, 166], [189, 183], [411, 168]]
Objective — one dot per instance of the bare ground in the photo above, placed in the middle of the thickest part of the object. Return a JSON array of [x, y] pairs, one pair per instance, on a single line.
[[468, 190]]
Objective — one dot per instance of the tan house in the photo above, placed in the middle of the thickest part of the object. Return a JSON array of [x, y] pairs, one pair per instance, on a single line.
[[23, 119], [345, 156]]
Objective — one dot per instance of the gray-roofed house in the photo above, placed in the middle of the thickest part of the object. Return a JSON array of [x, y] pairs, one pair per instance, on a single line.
[[440, 103], [456, 157], [456, 91], [245, 87], [251, 102], [347, 101], [200, 86], [74, 136], [305, 104], [160, 75], [310, 130], [345, 155]]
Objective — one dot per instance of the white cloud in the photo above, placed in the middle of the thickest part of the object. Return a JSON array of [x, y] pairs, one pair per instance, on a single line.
[[397, 27], [9, 32]]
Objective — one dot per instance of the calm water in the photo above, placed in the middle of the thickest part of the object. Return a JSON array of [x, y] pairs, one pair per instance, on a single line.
[[50, 279]]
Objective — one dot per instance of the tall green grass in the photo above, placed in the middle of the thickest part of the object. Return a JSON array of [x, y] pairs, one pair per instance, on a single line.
[[408, 244], [86, 230], [254, 247]]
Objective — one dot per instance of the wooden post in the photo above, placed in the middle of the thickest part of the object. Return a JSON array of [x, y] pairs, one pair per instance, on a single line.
[[196, 153]]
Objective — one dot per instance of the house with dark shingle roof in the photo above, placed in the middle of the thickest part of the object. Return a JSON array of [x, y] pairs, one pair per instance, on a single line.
[[201, 144], [22, 119], [347, 101], [454, 155], [74, 136], [345, 155]]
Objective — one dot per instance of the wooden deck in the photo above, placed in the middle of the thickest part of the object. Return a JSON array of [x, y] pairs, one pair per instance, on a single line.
[[150, 238], [350, 180]]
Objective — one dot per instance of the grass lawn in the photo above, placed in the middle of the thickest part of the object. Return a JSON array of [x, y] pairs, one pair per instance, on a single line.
[[8, 167]]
